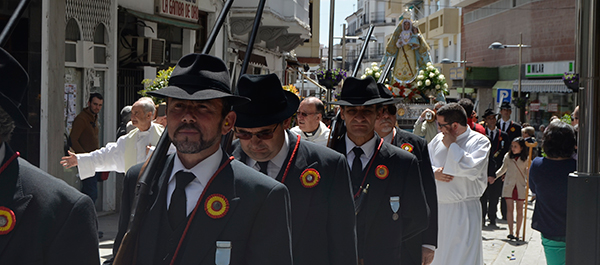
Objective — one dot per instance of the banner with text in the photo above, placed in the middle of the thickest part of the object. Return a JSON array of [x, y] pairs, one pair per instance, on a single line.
[[179, 9]]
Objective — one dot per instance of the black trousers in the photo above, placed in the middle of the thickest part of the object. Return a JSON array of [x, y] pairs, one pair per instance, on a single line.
[[489, 200]]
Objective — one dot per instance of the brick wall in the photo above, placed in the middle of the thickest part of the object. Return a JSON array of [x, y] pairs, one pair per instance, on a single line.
[[548, 26]]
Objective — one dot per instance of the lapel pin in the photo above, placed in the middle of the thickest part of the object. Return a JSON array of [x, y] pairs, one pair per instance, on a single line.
[[7, 220], [408, 147], [216, 206], [382, 172], [310, 178]]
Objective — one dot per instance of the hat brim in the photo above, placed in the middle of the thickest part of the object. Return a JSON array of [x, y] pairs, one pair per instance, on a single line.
[[14, 112], [189, 93], [248, 120], [361, 102], [393, 101]]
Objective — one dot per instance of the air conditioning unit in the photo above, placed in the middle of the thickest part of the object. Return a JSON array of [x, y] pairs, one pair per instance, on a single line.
[[148, 50]]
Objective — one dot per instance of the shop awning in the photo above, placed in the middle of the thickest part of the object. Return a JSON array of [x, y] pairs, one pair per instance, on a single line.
[[541, 86], [163, 20], [504, 84]]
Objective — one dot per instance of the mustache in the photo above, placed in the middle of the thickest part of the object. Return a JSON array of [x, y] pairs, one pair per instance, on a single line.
[[186, 126]]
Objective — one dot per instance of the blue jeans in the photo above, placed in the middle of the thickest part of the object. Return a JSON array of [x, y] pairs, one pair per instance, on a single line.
[[90, 186]]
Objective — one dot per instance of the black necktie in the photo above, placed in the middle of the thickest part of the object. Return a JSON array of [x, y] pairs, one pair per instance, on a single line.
[[357, 168], [263, 167], [504, 126], [178, 208]]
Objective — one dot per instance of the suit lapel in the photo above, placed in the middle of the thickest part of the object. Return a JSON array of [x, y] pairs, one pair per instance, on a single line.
[[300, 197], [152, 219], [204, 231], [20, 200], [377, 187]]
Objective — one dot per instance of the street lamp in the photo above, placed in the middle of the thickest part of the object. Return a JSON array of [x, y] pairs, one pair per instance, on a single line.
[[499, 46], [464, 64]]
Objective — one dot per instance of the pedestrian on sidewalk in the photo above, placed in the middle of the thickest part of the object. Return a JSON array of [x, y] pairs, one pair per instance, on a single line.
[[548, 178], [515, 183]]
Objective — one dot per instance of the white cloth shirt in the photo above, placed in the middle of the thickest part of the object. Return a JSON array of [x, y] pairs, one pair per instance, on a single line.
[[320, 137], [368, 151], [276, 163], [112, 156], [459, 209], [505, 125], [390, 137], [466, 160], [203, 172]]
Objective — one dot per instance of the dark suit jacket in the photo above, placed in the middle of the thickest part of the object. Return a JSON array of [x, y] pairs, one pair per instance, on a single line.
[[513, 131], [55, 223], [257, 222], [499, 146], [411, 250], [323, 226], [382, 236]]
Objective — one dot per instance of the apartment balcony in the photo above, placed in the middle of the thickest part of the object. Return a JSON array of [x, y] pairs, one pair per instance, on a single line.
[[462, 3], [285, 23], [394, 9], [443, 23], [423, 28]]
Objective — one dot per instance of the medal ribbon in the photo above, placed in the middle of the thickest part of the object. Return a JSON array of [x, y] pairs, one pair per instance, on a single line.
[[187, 226], [368, 168]]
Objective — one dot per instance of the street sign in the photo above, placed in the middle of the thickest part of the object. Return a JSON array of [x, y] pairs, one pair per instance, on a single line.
[[504, 95]]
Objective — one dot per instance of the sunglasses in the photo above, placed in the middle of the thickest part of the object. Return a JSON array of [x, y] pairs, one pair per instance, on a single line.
[[260, 135], [390, 109]]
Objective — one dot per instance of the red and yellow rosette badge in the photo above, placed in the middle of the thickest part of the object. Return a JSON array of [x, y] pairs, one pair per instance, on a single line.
[[382, 172], [310, 178], [7, 220], [216, 206], [408, 147], [512, 129]]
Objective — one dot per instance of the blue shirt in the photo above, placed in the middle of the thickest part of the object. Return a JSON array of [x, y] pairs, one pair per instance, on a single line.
[[548, 180]]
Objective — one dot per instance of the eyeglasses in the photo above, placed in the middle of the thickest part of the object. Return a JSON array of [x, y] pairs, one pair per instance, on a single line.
[[260, 135], [390, 109], [440, 125], [305, 114], [574, 118]]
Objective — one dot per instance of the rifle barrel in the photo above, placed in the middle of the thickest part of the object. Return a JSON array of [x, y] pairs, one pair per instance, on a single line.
[[363, 50]]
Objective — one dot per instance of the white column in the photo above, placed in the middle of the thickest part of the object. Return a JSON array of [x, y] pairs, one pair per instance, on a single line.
[[52, 86]]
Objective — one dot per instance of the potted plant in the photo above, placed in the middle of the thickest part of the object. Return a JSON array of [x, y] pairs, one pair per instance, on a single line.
[[330, 77], [571, 81], [161, 81]]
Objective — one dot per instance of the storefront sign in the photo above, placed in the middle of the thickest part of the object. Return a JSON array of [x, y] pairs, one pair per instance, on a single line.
[[549, 69], [180, 9], [552, 107], [534, 107]]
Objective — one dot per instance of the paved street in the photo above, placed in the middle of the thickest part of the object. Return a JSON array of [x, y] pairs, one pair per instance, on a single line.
[[498, 250]]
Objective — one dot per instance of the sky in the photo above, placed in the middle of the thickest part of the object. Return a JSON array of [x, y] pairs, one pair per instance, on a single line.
[[343, 8]]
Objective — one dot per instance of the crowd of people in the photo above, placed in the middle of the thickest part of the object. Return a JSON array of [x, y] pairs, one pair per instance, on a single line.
[[369, 194]]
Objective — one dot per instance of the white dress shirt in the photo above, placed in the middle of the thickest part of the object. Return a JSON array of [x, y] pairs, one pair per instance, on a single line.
[[203, 172], [368, 151], [276, 163]]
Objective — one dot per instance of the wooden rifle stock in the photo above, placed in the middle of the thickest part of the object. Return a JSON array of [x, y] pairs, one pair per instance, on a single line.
[[126, 255]]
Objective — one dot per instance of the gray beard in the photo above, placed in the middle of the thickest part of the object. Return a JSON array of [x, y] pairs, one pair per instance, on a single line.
[[187, 147]]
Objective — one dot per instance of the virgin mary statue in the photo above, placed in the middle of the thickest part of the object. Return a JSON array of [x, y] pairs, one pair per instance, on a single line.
[[409, 49]]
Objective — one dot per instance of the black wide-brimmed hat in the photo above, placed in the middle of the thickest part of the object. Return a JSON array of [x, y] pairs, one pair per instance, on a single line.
[[384, 92], [269, 103], [360, 92], [505, 105], [488, 112], [13, 88], [199, 77]]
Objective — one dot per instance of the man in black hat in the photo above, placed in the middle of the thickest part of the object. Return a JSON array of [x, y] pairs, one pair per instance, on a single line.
[[42, 219], [323, 228], [513, 130], [390, 203], [418, 249], [205, 202], [499, 147]]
